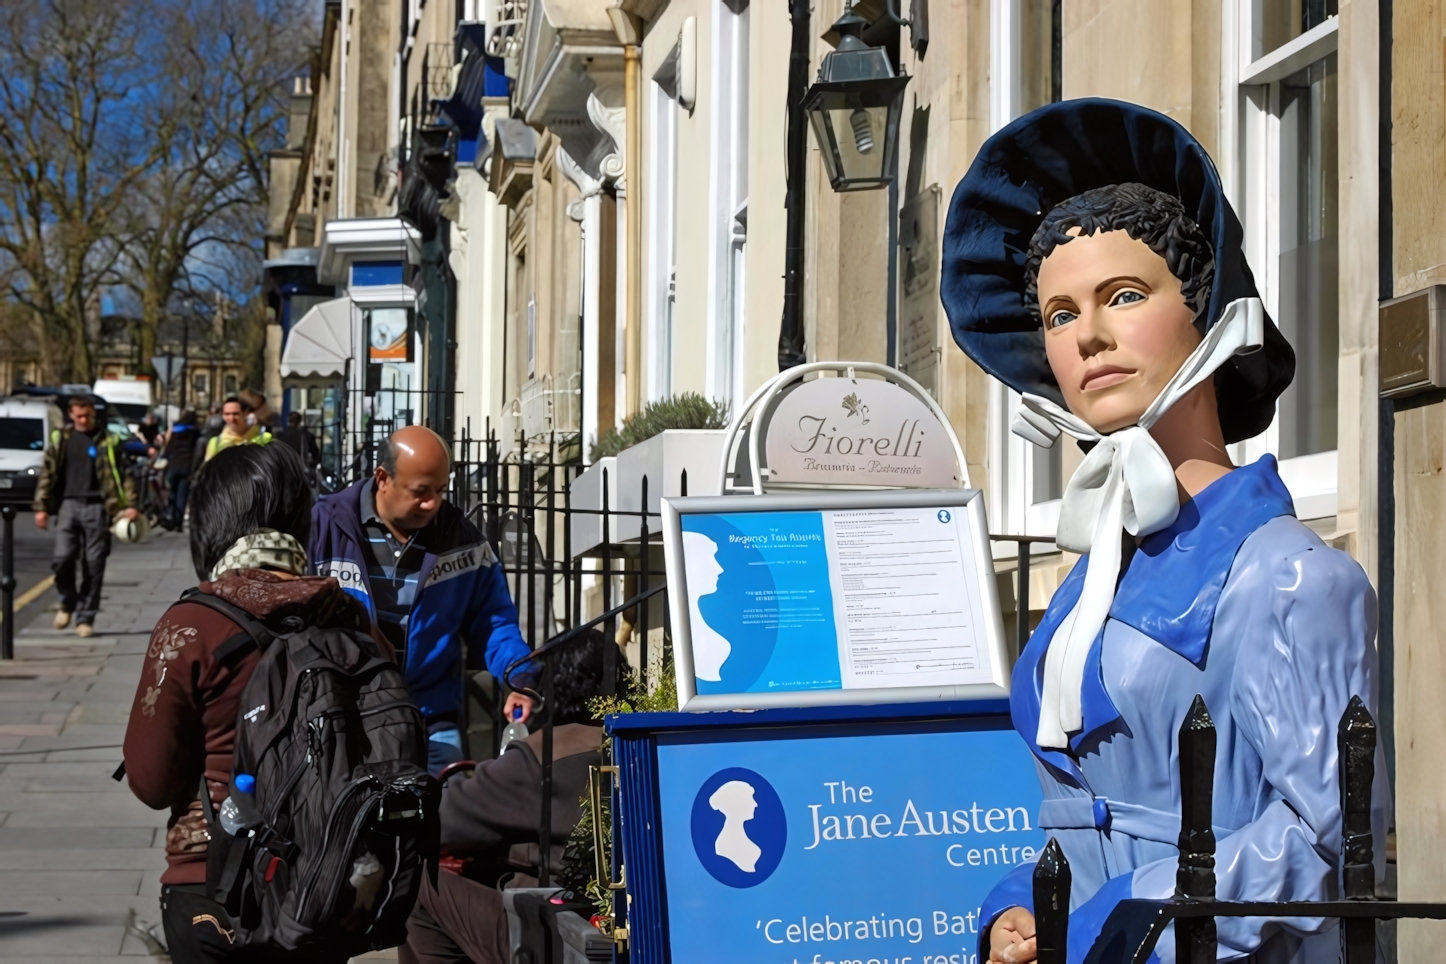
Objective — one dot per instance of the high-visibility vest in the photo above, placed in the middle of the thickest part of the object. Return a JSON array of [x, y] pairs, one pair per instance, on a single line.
[[109, 444], [222, 441]]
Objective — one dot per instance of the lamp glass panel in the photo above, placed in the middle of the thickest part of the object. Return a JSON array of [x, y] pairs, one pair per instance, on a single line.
[[862, 134]]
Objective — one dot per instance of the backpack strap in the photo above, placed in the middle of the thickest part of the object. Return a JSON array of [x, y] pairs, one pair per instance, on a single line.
[[254, 633]]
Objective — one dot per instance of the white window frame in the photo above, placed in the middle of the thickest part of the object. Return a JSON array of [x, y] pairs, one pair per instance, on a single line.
[[662, 204], [1011, 463], [1250, 168], [727, 200]]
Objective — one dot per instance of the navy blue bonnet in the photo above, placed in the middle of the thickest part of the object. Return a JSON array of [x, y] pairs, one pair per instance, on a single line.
[[1048, 156]]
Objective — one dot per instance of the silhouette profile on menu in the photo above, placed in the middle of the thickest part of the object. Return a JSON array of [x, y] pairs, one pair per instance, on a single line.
[[710, 648], [734, 800]]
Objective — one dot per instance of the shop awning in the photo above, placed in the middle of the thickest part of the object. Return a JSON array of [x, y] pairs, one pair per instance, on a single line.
[[320, 343]]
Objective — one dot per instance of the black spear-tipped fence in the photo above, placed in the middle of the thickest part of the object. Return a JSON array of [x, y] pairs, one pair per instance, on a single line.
[[522, 501], [1135, 926]]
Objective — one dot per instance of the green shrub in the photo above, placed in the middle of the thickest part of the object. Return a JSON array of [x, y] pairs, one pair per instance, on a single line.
[[577, 873], [688, 410]]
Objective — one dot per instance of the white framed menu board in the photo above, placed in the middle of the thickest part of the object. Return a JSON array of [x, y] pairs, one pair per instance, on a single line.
[[833, 598]]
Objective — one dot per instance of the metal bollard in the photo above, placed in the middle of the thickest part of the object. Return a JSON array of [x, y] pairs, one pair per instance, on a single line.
[[7, 585], [1356, 746], [1195, 880], [1051, 905]]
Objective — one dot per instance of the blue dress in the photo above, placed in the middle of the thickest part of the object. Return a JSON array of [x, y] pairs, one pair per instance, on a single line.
[[1241, 603]]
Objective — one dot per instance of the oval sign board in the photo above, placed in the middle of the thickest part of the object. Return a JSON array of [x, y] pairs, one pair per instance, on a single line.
[[845, 431]]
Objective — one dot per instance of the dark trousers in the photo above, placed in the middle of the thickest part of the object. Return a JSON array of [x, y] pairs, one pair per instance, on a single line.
[[82, 542], [455, 922], [178, 482]]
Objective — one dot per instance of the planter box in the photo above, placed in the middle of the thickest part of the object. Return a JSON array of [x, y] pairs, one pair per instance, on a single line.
[[664, 460], [586, 494]]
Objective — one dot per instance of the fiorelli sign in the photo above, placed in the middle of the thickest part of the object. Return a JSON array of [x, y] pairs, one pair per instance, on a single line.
[[864, 431]]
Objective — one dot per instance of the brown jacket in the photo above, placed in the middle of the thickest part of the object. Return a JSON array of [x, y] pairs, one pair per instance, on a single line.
[[488, 815], [183, 721]]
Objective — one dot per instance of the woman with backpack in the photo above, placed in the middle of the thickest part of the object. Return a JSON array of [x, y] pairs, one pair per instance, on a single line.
[[250, 519]]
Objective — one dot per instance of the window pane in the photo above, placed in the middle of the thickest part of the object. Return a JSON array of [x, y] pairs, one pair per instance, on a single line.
[[27, 434], [1309, 257], [1039, 53], [1281, 21], [1048, 472]]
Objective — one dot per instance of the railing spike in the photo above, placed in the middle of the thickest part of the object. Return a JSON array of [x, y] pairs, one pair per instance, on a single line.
[[1195, 879], [1356, 745], [1356, 748], [1052, 880]]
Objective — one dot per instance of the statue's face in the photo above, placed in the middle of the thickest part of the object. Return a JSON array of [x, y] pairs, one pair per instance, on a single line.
[[1116, 327]]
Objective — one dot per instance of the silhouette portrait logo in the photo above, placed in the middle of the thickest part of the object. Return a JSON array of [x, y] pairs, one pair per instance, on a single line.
[[732, 606], [739, 830]]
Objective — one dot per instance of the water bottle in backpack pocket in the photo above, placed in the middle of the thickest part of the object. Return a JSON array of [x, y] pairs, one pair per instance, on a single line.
[[341, 816]]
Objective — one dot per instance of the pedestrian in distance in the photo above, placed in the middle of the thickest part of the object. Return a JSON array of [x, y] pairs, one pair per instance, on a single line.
[[84, 489], [296, 435], [261, 414], [427, 576], [179, 450], [240, 428], [250, 520]]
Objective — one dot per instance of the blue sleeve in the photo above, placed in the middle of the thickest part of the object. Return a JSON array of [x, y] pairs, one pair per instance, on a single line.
[[315, 546], [1311, 621], [1085, 922], [1015, 890], [494, 629]]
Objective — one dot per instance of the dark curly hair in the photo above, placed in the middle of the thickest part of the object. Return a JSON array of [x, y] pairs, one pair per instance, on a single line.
[[242, 489], [1154, 217]]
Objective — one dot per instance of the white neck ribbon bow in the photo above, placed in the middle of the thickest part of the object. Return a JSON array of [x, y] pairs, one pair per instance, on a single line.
[[1125, 483]]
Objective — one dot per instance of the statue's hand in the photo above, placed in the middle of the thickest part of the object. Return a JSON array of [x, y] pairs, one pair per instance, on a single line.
[[1011, 939]]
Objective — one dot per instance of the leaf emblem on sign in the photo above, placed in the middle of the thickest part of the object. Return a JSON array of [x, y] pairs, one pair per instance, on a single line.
[[855, 406]]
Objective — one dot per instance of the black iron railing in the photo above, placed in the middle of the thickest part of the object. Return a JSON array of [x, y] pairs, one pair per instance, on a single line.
[[1135, 926]]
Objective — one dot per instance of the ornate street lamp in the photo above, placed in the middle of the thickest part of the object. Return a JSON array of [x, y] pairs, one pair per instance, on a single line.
[[855, 108]]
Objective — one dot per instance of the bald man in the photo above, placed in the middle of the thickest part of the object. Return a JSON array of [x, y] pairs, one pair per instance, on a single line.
[[428, 577]]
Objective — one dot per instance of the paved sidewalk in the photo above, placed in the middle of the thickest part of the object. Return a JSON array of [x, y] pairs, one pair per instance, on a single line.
[[80, 858]]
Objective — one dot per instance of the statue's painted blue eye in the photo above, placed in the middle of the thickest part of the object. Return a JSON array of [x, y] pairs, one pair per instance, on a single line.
[[1127, 297], [1061, 318]]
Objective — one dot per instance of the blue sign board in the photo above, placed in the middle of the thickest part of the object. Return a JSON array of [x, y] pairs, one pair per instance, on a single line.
[[837, 844]]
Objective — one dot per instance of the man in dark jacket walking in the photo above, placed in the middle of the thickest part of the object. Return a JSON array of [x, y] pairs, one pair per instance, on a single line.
[[428, 578], [83, 486]]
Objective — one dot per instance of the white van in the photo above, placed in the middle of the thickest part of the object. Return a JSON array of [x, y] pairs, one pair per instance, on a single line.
[[25, 427], [130, 397]]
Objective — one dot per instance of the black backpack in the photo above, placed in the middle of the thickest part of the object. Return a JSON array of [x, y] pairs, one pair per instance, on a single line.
[[343, 819]]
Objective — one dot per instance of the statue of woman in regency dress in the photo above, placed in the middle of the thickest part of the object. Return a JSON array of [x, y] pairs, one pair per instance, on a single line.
[[1093, 264]]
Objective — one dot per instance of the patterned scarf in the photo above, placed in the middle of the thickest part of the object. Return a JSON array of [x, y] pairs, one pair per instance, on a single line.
[[263, 549]]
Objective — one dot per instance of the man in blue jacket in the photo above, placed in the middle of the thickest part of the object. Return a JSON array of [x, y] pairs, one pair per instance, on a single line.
[[428, 577]]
